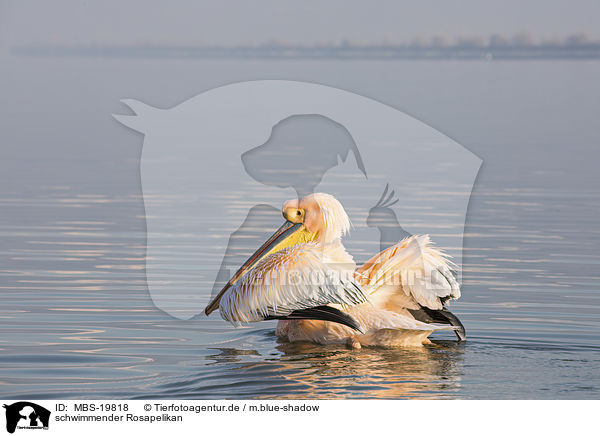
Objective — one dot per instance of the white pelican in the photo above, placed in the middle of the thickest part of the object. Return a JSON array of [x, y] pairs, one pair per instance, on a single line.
[[304, 277]]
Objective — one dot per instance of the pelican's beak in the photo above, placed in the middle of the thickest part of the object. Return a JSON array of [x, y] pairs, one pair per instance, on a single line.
[[287, 229]]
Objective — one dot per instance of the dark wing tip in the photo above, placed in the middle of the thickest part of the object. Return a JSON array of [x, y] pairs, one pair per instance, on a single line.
[[323, 313], [443, 316]]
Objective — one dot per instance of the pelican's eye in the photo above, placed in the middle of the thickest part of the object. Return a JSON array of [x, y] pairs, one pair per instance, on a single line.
[[294, 215]]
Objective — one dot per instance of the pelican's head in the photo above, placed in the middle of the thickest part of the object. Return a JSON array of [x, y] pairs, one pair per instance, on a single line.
[[320, 214], [315, 218]]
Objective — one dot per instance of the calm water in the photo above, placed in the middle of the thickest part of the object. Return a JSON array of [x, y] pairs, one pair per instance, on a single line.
[[75, 315]]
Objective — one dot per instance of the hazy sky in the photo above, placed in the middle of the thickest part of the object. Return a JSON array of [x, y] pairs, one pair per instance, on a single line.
[[306, 21]]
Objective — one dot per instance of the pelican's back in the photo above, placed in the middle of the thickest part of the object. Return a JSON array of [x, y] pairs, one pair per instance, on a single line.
[[412, 278]]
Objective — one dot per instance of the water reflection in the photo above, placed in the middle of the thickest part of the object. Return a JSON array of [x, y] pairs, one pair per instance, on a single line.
[[304, 370]]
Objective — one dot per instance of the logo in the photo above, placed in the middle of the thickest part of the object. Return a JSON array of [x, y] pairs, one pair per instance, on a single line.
[[26, 415]]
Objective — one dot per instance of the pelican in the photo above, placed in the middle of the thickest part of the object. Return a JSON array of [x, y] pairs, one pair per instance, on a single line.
[[304, 277]]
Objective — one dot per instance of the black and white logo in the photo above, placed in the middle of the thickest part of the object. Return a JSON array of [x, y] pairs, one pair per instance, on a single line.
[[26, 415]]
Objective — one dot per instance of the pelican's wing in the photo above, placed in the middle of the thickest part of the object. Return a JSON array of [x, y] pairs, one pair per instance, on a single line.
[[288, 280], [413, 270]]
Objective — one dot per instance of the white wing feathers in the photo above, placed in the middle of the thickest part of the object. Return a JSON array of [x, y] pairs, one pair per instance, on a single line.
[[413, 266], [291, 279]]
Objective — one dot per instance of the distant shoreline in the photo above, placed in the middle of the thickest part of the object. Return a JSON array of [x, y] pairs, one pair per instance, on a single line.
[[350, 52]]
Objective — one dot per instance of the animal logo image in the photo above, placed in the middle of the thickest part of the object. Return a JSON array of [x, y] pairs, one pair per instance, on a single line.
[[207, 162], [26, 415]]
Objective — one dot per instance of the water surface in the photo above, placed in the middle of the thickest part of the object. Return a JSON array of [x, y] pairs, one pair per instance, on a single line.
[[75, 314]]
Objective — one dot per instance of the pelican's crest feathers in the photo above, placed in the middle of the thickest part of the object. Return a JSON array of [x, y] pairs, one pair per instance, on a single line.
[[335, 219]]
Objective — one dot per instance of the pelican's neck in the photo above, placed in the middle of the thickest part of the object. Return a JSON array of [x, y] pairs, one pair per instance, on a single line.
[[337, 256]]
